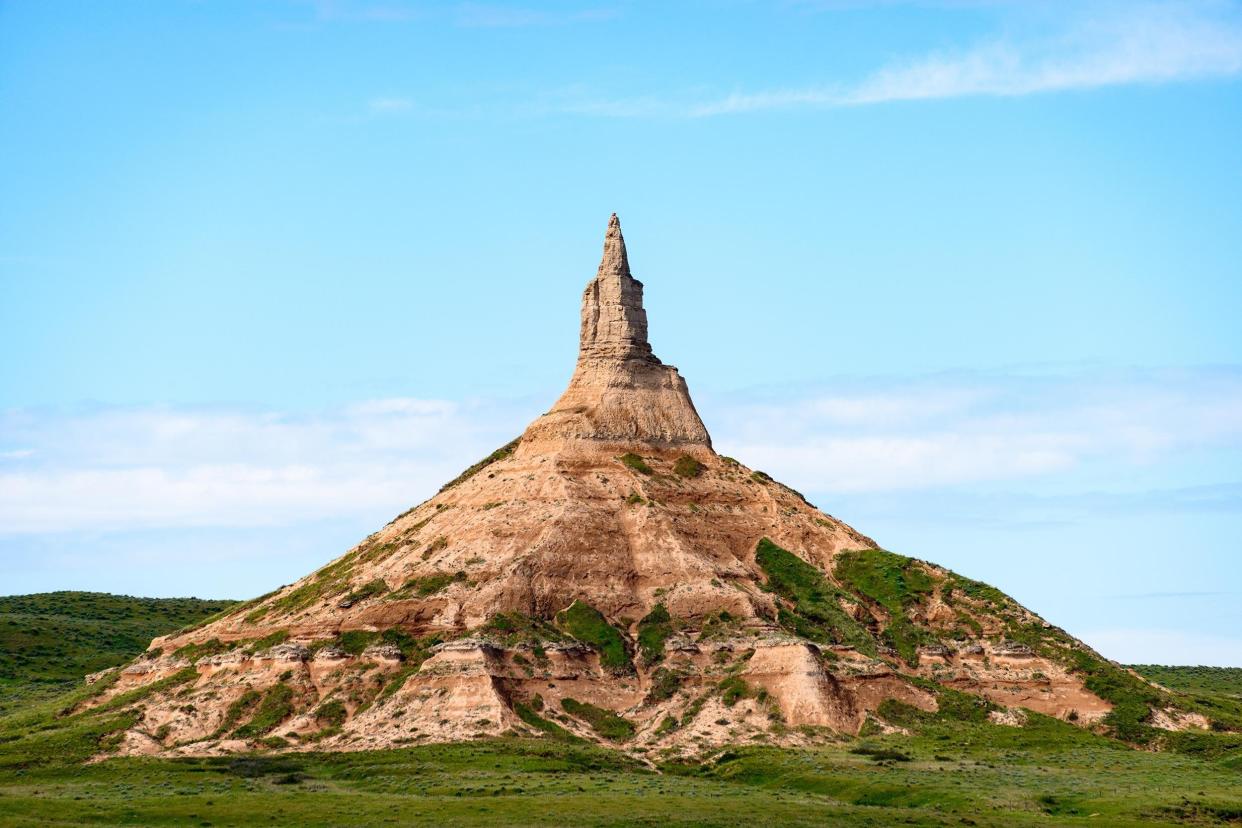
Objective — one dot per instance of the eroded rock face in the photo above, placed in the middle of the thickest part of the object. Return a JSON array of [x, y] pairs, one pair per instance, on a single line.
[[456, 619], [620, 392]]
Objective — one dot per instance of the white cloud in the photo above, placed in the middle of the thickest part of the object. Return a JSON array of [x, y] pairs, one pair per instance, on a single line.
[[1156, 646], [945, 431], [137, 468], [1092, 45], [134, 468]]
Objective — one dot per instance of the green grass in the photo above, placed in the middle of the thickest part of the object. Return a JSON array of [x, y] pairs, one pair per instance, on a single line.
[[585, 623], [50, 640], [276, 706], [815, 613], [428, 584], [894, 582], [370, 589], [496, 456], [633, 461], [687, 466], [653, 630], [604, 722], [1215, 681], [954, 768]]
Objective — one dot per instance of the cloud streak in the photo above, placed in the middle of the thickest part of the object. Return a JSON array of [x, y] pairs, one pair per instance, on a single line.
[[116, 469], [1095, 46]]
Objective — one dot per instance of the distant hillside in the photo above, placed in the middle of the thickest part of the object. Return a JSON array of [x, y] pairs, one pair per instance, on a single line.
[[54, 638], [1212, 681]]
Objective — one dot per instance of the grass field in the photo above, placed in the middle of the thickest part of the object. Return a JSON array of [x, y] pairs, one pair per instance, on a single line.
[[1214, 681], [951, 770], [49, 641]]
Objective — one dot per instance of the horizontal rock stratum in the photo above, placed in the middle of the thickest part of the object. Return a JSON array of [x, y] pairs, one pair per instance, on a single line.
[[609, 576]]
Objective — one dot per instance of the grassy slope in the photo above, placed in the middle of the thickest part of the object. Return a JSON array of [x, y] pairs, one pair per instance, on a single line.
[[50, 640], [1214, 681]]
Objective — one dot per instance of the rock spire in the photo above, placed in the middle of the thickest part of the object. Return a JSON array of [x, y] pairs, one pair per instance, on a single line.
[[620, 392], [614, 324]]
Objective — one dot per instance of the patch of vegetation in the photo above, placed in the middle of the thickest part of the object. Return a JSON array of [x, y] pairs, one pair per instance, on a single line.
[[977, 590], [816, 614], [894, 582], [233, 714], [761, 477], [182, 676], [1215, 681], [214, 646], [331, 712], [370, 589], [330, 580], [638, 464], [276, 706], [355, 642], [653, 630], [429, 584], [604, 722], [732, 690], [585, 623], [880, 754], [527, 714], [511, 629], [635, 499], [664, 685], [49, 641], [687, 466], [495, 457], [268, 641]]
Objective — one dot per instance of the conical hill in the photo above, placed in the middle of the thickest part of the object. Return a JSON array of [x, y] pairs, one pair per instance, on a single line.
[[607, 575]]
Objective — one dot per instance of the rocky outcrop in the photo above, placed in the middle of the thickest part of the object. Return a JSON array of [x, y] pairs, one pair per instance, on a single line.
[[620, 392]]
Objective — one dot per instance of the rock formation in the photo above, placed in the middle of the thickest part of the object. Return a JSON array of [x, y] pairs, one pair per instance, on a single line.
[[607, 575]]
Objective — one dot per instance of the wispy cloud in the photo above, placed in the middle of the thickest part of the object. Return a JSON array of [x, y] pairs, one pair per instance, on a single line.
[[495, 15], [388, 105], [133, 468], [1093, 46], [944, 431]]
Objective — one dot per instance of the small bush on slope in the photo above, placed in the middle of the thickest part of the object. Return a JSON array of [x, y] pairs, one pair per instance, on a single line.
[[653, 631], [604, 722], [586, 624]]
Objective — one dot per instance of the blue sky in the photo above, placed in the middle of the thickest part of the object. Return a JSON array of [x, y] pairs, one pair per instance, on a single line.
[[966, 273]]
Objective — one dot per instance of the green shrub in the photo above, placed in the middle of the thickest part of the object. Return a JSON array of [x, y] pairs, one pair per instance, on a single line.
[[664, 685], [604, 722], [528, 715], [429, 584], [633, 461], [653, 630], [277, 705], [586, 624], [368, 590], [896, 583], [242, 705], [267, 641], [732, 690], [687, 466], [332, 712], [355, 641]]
